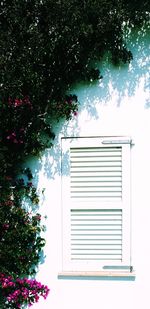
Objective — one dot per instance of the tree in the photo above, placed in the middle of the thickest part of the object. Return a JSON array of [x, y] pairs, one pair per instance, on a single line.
[[47, 45]]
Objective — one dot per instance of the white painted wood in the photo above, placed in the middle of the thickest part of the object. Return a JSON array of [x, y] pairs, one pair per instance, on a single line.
[[96, 203]]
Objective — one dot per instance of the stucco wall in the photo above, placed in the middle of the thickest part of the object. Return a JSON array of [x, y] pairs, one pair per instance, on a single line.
[[119, 104]]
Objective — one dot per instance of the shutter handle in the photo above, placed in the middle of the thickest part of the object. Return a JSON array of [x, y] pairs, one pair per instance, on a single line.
[[125, 141]]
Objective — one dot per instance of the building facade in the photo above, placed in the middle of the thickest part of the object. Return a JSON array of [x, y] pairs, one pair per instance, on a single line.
[[96, 182]]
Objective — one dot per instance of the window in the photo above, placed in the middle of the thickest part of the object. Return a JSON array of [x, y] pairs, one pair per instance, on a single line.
[[96, 203]]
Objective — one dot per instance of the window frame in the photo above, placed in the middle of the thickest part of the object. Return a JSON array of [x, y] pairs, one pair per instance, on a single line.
[[100, 267]]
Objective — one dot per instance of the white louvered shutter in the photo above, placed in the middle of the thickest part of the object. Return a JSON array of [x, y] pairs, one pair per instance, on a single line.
[[96, 203]]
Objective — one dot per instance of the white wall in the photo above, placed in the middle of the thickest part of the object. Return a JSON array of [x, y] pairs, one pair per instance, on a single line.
[[119, 104]]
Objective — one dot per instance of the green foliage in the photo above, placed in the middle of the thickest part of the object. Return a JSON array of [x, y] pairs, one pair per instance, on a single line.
[[20, 240], [46, 46], [21, 131]]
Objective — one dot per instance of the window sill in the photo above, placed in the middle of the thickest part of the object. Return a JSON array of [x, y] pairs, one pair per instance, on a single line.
[[98, 275]]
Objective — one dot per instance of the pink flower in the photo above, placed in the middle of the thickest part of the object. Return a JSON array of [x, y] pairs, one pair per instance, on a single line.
[[15, 141], [9, 203], [5, 226], [17, 102]]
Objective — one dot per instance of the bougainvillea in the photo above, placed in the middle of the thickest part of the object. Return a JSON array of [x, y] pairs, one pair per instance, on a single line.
[[18, 291], [20, 230]]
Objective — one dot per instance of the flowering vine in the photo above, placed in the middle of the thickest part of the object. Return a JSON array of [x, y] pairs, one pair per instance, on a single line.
[[21, 244], [16, 292]]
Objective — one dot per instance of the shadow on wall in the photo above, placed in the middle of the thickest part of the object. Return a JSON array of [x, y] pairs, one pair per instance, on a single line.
[[119, 84]]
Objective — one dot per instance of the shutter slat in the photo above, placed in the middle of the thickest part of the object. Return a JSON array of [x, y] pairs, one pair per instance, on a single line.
[[96, 223], [99, 233], [110, 243], [96, 179], [93, 251], [97, 168], [92, 188], [77, 221], [96, 227], [88, 175], [95, 212], [97, 257], [97, 237], [95, 195], [96, 242], [93, 152], [75, 184], [97, 163]]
